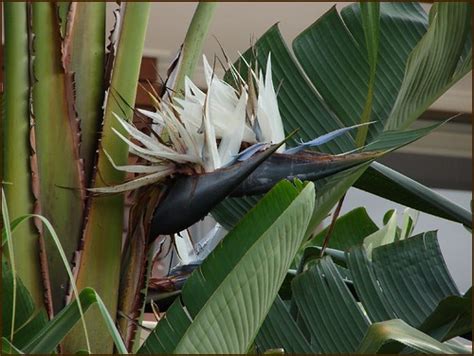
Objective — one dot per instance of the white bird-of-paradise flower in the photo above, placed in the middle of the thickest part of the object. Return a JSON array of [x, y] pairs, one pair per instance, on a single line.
[[202, 129]]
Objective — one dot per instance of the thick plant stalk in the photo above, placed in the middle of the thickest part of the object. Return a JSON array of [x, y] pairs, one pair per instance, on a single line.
[[62, 11], [194, 41], [83, 57], [135, 259], [16, 118], [58, 183], [99, 265]]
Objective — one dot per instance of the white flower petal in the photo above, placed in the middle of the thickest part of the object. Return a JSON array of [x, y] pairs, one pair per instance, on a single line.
[[134, 168], [268, 115], [161, 152], [210, 155], [154, 116], [231, 141], [136, 183]]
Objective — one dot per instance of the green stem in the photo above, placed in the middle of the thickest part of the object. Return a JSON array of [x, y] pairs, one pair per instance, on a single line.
[[194, 41], [16, 144], [87, 50], [99, 267]]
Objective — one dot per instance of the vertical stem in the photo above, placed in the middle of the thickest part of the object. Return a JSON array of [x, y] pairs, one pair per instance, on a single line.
[[16, 131], [335, 215], [99, 266], [85, 43], [194, 41]]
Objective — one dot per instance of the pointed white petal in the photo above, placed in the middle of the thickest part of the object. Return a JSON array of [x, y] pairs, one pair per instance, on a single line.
[[210, 154], [161, 151], [268, 115], [231, 141], [136, 134], [155, 116], [134, 168], [136, 183]]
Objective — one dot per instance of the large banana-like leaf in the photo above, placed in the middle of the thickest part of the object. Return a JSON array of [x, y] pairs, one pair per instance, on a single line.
[[390, 184], [325, 303], [428, 302], [102, 238], [438, 61], [332, 53], [57, 183], [225, 300], [279, 328], [386, 338], [343, 235], [16, 145], [425, 289]]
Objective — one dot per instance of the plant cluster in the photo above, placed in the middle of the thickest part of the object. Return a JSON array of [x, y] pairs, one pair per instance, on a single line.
[[268, 151]]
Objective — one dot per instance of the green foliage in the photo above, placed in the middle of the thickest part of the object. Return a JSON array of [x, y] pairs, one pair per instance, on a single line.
[[332, 53], [224, 302], [385, 62], [15, 142], [333, 318]]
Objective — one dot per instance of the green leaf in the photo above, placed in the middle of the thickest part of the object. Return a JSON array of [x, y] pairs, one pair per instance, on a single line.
[[380, 338], [371, 23], [57, 244], [46, 340], [225, 300], [58, 181], [279, 330], [8, 348], [350, 230], [407, 280], [451, 309], [333, 54], [325, 304], [384, 236], [331, 188], [25, 307], [31, 327], [384, 289], [107, 211], [435, 64], [389, 184], [18, 307], [16, 145], [343, 83]]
